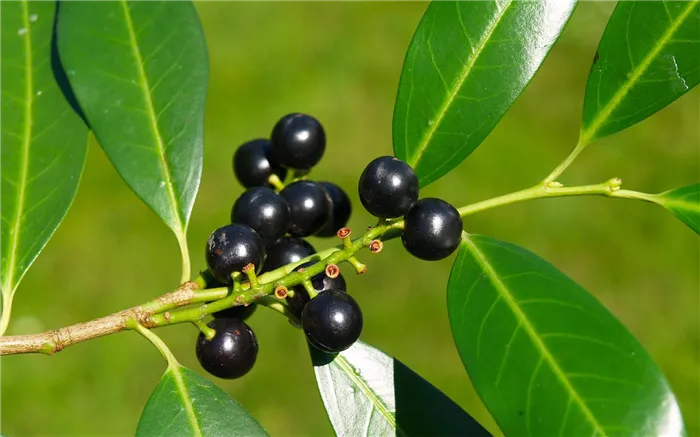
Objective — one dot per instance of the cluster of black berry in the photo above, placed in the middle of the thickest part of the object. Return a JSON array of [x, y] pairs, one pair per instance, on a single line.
[[267, 232], [389, 187]]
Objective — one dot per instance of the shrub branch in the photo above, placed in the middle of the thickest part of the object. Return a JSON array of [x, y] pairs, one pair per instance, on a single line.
[[166, 309]]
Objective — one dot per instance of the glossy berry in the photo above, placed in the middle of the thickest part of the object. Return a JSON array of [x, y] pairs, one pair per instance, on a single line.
[[232, 247], [286, 251], [388, 187], [320, 282], [310, 206], [232, 351], [253, 164], [432, 229], [298, 141], [332, 321], [240, 312], [340, 210], [263, 210]]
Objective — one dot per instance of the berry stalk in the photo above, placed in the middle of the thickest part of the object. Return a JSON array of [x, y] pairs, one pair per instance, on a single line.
[[268, 282]]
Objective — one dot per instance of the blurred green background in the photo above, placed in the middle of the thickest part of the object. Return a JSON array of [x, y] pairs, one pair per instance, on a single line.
[[341, 62]]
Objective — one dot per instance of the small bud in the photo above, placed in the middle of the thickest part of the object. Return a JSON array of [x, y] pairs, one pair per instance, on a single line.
[[167, 316], [332, 271], [376, 246], [615, 184]]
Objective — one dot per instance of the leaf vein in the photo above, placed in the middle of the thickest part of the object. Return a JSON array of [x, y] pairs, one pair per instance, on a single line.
[[143, 83], [532, 333], [376, 401], [187, 401], [468, 67], [8, 286], [588, 133]]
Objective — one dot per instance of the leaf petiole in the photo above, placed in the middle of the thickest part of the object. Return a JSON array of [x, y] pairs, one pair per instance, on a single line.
[[561, 168], [157, 342]]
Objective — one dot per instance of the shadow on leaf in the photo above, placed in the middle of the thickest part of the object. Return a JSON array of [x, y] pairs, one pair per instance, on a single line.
[[59, 72], [395, 397]]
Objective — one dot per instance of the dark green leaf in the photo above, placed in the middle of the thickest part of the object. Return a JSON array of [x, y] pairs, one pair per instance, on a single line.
[[648, 57], [467, 63], [684, 203], [368, 393], [44, 141], [545, 356], [186, 404], [139, 70]]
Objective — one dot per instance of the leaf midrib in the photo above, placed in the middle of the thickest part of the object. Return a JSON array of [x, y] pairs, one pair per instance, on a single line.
[[379, 405], [184, 395], [8, 287], [694, 207], [680, 201], [480, 258], [150, 110], [466, 71], [589, 133]]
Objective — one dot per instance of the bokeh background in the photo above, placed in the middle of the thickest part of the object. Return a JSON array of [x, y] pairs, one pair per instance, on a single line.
[[341, 62]]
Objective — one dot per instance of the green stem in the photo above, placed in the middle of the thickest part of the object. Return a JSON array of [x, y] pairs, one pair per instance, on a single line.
[[276, 182], [157, 342], [201, 296], [274, 304], [156, 313], [208, 332], [309, 287], [610, 188], [582, 143], [287, 277]]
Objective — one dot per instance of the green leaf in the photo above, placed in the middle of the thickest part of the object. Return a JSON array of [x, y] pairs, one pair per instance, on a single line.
[[545, 356], [648, 57], [368, 393], [44, 141], [467, 63], [139, 71], [684, 203], [186, 404]]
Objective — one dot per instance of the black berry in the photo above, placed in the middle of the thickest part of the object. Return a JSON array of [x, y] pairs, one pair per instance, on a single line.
[[310, 206], [432, 229], [232, 351], [388, 187], [263, 210], [286, 251], [332, 321], [232, 247], [340, 210], [253, 164], [298, 141], [320, 282], [240, 312]]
